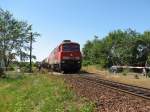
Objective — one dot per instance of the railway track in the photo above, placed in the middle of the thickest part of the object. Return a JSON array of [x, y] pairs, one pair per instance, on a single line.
[[134, 90]]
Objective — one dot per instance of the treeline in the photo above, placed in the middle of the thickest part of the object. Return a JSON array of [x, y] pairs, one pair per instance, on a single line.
[[120, 47], [15, 38]]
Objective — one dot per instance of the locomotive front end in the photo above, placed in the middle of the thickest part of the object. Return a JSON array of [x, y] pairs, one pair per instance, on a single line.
[[71, 58]]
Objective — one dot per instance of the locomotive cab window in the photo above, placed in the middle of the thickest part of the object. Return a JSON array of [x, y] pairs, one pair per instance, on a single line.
[[71, 47], [59, 49]]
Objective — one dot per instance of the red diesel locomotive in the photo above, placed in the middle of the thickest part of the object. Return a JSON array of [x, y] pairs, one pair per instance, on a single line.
[[66, 57]]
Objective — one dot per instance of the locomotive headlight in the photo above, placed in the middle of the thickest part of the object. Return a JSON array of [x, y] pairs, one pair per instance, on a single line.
[[62, 61], [79, 62]]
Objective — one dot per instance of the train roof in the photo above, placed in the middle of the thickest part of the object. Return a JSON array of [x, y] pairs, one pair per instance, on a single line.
[[64, 42], [68, 42]]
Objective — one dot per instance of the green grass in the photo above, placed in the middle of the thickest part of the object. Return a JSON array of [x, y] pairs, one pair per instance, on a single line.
[[39, 93]]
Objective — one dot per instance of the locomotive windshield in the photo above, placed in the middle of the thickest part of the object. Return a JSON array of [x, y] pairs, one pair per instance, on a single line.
[[71, 47]]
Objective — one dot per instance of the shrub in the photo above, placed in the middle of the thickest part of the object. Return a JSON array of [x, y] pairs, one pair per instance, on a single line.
[[125, 72], [148, 74], [11, 67], [25, 69], [136, 76], [24, 66], [2, 72]]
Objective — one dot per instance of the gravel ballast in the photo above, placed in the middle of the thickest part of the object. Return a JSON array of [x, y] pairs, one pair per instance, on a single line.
[[106, 99]]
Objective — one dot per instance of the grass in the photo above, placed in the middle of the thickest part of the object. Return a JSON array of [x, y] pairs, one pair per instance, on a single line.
[[39, 93]]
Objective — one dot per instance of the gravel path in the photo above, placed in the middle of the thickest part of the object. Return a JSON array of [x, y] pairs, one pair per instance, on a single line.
[[107, 100]]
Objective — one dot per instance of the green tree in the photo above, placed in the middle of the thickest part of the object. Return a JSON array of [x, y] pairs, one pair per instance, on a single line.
[[120, 47], [14, 38]]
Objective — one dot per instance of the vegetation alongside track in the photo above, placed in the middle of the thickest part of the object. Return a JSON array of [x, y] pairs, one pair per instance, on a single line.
[[16, 37], [39, 93], [120, 47]]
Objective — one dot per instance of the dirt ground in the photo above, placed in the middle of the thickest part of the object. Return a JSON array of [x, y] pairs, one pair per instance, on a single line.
[[105, 99]]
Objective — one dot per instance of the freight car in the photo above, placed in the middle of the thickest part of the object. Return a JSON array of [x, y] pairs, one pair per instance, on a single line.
[[66, 57], [44, 63]]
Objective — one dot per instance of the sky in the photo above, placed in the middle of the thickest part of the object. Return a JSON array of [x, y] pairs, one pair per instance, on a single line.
[[77, 20]]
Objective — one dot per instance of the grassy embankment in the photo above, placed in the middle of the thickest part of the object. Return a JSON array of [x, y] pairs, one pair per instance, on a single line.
[[39, 93], [127, 78]]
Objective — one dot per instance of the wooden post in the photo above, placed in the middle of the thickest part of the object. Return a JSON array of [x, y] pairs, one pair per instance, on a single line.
[[31, 36]]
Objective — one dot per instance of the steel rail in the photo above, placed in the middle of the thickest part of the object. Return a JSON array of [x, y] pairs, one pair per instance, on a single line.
[[134, 90]]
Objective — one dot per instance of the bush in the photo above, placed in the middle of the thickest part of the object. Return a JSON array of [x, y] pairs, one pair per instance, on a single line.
[[136, 76], [24, 66], [86, 63], [125, 72], [148, 74], [11, 67], [2, 72]]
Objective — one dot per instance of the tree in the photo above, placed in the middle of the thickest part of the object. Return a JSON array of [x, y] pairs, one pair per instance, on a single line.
[[120, 47], [141, 49], [14, 38]]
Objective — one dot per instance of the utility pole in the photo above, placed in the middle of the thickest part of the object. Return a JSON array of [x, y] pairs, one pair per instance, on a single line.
[[31, 36]]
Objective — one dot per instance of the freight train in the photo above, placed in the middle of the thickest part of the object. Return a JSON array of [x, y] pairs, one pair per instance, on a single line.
[[66, 57]]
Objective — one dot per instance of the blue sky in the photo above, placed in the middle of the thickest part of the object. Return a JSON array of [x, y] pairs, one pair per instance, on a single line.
[[78, 20]]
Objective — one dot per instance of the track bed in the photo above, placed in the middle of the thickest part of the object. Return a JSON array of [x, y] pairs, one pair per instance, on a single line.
[[109, 96]]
